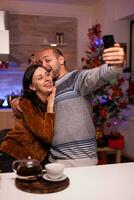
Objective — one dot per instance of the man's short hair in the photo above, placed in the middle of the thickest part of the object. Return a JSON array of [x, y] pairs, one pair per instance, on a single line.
[[57, 52]]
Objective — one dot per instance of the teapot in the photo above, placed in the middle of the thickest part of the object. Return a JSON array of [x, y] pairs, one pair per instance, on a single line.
[[27, 169]]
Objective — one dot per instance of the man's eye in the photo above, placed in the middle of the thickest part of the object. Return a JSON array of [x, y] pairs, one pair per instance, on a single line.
[[48, 60]]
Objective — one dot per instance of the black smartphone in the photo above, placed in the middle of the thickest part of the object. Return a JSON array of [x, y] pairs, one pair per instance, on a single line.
[[108, 41]]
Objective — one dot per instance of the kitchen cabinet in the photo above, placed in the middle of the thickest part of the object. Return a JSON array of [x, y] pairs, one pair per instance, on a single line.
[[6, 118]]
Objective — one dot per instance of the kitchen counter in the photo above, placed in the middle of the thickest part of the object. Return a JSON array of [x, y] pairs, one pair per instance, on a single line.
[[103, 182]]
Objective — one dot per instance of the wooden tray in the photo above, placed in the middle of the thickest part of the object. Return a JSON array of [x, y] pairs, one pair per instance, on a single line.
[[41, 186]]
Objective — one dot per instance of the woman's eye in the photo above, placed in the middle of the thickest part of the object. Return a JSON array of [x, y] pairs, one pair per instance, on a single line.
[[39, 78], [47, 74]]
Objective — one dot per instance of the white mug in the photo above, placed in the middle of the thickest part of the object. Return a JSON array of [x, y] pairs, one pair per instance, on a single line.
[[54, 170]]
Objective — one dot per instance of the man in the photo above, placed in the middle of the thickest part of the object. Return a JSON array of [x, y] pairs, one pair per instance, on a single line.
[[74, 142]]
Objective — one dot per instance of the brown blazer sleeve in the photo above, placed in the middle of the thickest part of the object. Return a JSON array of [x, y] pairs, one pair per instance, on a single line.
[[43, 128]]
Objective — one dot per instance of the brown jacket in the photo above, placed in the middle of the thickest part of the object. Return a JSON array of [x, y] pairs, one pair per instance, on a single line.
[[31, 135]]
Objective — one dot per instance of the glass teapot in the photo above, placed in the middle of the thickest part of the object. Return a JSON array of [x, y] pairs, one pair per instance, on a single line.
[[28, 169]]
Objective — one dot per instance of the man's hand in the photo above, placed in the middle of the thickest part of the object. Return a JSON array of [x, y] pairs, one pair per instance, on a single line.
[[114, 56], [15, 107]]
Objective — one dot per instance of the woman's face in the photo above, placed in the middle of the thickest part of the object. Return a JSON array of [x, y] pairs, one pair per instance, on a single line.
[[42, 82]]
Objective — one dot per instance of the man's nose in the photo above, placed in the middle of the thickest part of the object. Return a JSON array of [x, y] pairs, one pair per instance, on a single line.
[[44, 63]]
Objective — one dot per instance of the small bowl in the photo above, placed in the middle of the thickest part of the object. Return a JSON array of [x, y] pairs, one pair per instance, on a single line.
[[1, 102]]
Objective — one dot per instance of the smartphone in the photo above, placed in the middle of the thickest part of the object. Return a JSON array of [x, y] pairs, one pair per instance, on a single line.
[[108, 41]]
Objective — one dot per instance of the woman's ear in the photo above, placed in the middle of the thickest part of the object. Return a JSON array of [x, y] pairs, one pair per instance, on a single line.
[[32, 87], [61, 60]]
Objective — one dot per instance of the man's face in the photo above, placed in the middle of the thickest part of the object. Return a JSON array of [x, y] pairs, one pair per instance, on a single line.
[[50, 61]]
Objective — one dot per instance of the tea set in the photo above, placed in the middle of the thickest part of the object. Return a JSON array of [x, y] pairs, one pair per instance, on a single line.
[[31, 169]]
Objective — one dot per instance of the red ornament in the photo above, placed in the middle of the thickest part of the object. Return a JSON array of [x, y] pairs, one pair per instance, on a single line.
[[120, 81], [122, 105], [103, 113], [130, 90], [82, 59], [117, 92], [116, 143], [108, 124]]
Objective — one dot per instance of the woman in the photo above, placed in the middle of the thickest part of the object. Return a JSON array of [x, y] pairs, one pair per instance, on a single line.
[[33, 132]]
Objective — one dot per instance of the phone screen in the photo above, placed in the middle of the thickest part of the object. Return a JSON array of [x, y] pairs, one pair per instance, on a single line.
[[108, 41]]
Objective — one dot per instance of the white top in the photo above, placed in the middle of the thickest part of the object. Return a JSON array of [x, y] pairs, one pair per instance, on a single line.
[[103, 182]]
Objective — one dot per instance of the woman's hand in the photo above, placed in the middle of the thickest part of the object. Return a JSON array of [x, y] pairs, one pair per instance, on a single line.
[[50, 101]]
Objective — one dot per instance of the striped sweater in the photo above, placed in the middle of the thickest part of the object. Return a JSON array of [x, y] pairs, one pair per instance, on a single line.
[[74, 136]]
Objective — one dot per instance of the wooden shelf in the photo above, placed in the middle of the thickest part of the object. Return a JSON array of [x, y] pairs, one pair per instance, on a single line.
[[105, 150], [37, 44]]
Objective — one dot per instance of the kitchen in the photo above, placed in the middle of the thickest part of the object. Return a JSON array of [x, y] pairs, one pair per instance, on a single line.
[[117, 21]]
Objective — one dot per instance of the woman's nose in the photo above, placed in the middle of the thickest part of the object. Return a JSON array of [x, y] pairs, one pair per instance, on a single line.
[[48, 77]]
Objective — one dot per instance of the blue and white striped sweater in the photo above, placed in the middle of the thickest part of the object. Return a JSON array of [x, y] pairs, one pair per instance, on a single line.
[[68, 89], [75, 150], [74, 135]]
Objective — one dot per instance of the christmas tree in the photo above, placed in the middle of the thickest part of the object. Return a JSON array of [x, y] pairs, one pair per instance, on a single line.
[[108, 100], [94, 52]]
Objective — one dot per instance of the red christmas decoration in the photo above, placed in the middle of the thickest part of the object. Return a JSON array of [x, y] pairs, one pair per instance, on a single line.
[[131, 89], [108, 124], [93, 57], [116, 140]]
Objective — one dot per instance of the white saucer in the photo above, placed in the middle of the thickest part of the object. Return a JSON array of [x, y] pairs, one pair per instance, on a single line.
[[54, 180]]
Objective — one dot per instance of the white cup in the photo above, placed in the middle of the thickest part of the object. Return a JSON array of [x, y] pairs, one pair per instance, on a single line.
[[54, 170]]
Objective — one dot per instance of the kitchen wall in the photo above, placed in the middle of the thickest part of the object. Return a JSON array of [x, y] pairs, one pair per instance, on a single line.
[[124, 8], [113, 22], [30, 33], [81, 13]]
